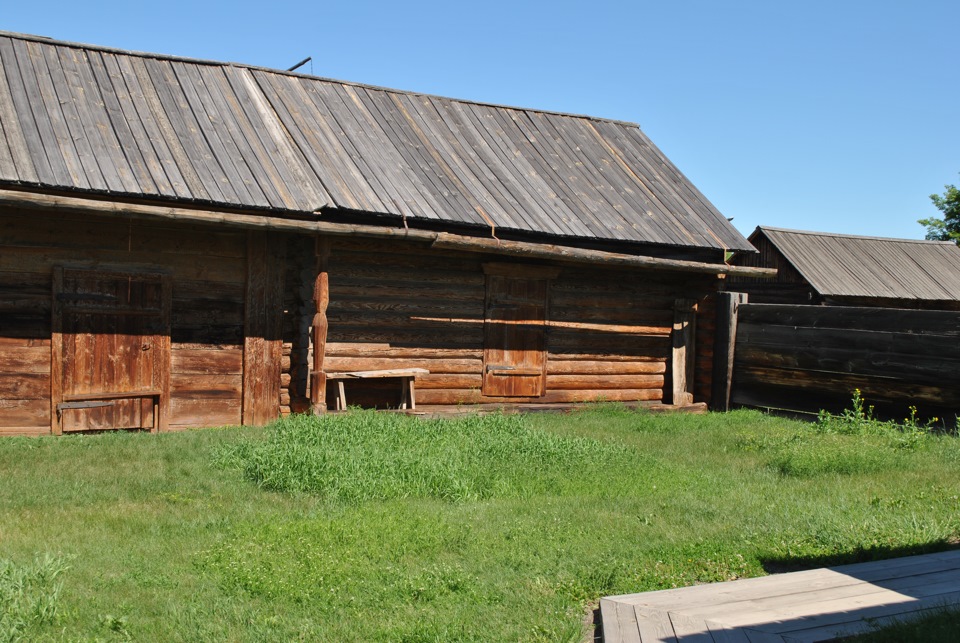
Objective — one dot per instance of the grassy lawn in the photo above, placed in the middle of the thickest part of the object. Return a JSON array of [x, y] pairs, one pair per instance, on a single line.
[[370, 527]]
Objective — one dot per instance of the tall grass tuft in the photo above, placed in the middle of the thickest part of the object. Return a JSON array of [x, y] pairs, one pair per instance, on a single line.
[[29, 596], [365, 455]]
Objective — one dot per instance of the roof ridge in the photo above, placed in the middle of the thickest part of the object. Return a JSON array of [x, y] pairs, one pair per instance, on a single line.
[[852, 236], [218, 63]]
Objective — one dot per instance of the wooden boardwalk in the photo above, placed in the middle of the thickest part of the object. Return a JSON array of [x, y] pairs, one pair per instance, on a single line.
[[815, 605]]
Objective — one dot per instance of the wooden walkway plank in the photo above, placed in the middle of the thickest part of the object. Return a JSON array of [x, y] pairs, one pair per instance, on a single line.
[[800, 606], [654, 626]]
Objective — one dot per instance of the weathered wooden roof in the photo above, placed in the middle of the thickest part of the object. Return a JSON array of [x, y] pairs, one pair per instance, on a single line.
[[76, 117], [854, 266]]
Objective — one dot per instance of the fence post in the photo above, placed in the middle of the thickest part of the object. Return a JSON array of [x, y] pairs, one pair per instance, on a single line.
[[724, 347]]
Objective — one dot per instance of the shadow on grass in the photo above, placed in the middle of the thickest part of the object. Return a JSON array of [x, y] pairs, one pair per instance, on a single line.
[[859, 555]]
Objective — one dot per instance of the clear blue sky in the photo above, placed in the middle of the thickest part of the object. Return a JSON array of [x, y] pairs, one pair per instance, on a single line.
[[838, 116]]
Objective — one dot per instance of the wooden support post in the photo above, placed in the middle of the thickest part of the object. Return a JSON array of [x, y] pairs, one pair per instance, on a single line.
[[724, 347], [321, 298], [684, 350], [262, 343]]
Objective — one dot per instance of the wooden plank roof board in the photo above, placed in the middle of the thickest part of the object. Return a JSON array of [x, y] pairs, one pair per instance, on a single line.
[[79, 117], [839, 265]]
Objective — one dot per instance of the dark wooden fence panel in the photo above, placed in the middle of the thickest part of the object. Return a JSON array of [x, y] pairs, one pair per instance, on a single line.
[[807, 358]]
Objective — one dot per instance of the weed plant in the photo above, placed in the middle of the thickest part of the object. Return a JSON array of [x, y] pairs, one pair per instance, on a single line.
[[377, 527]]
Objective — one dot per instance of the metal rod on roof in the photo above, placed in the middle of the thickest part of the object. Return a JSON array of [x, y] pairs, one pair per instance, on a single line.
[[301, 63]]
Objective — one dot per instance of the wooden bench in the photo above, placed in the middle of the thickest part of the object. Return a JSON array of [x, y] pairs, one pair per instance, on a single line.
[[407, 376]]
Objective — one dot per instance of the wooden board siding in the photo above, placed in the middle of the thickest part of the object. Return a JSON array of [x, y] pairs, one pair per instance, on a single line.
[[207, 269], [608, 334], [807, 358]]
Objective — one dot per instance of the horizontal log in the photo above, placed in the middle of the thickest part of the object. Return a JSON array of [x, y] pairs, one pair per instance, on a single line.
[[24, 386], [206, 362], [439, 240], [33, 304], [427, 320], [426, 277], [600, 357], [463, 397], [618, 329], [435, 365], [211, 313], [24, 431], [194, 412], [33, 260], [34, 324], [922, 322], [934, 369], [618, 301], [342, 289], [454, 381], [594, 367], [609, 315], [441, 336], [26, 413], [25, 358], [84, 232], [209, 387], [603, 382], [807, 382], [207, 335], [385, 350], [193, 291], [406, 306], [868, 341]]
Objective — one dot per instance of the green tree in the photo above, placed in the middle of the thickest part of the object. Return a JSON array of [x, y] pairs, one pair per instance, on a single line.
[[947, 228]]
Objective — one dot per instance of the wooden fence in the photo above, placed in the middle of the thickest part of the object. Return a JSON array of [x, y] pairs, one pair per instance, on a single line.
[[807, 358]]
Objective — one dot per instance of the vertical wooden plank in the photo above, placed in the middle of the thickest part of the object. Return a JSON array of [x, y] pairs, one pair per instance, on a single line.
[[321, 299], [684, 353], [262, 345], [56, 352], [724, 347], [253, 330], [161, 372]]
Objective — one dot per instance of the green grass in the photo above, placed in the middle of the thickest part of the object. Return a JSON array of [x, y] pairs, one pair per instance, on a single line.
[[370, 527]]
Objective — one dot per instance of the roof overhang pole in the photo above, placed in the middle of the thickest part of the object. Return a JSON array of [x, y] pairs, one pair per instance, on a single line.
[[440, 240]]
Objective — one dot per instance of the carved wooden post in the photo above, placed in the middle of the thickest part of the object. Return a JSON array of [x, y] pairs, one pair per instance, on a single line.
[[321, 298], [684, 352]]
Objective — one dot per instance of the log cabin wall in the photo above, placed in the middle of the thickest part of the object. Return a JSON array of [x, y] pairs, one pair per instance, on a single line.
[[208, 270], [608, 332]]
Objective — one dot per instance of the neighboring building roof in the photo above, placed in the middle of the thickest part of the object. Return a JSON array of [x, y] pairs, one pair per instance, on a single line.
[[77, 117], [839, 265]]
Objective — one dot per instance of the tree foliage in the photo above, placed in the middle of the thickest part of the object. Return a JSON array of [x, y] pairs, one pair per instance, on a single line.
[[947, 228]]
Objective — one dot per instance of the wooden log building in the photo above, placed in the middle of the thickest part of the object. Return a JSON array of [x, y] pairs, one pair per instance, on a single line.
[[187, 243], [850, 270]]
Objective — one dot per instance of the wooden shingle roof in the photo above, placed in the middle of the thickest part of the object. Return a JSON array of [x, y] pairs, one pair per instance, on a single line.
[[96, 120], [838, 265]]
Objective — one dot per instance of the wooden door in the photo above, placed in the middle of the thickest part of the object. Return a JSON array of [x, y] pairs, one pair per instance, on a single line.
[[111, 350], [514, 355]]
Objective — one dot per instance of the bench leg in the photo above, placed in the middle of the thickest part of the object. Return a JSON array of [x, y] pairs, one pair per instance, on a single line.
[[341, 397], [413, 396]]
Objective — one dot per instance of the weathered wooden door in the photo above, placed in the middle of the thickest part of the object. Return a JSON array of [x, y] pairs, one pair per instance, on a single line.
[[111, 350], [514, 356]]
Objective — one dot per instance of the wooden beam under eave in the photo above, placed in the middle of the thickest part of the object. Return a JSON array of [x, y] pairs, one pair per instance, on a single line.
[[439, 240]]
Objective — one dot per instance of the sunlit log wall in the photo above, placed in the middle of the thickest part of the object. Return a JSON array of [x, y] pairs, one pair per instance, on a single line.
[[398, 305]]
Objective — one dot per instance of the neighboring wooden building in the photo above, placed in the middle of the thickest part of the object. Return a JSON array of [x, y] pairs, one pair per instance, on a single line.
[[848, 270], [186, 243]]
